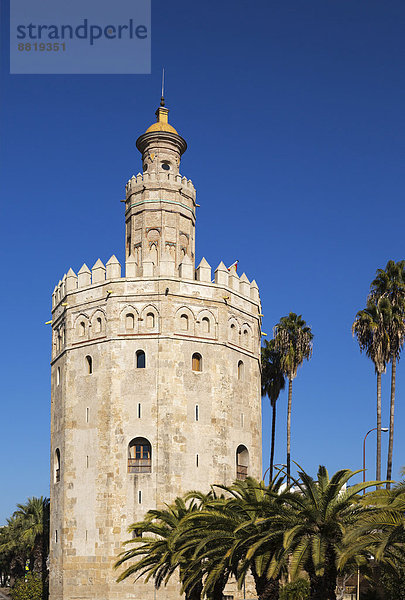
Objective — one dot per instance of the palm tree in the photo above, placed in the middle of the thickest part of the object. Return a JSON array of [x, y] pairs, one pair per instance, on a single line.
[[261, 506], [227, 536], [272, 383], [390, 283], [322, 512], [371, 327], [293, 339], [154, 548], [34, 519], [380, 532]]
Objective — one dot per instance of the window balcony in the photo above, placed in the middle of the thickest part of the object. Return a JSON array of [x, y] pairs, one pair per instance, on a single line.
[[139, 465]]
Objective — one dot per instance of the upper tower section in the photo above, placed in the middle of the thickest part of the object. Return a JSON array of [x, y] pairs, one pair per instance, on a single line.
[[160, 203], [161, 146]]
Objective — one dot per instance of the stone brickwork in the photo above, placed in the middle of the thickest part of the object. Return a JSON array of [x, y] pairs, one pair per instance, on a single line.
[[203, 426]]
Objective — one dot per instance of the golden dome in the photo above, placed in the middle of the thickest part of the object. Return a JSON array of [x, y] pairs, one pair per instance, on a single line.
[[159, 126], [162, 121]]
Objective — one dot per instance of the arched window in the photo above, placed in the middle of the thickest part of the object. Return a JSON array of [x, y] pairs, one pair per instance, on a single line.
[[58, 376], [241, 370], [184, 322], [205, 325], [82, 329], [140, 359], [57, 465], [99, 325], [150, 320], [242, 462], [245, 337], [89, 365], [129, 321], [197, 362], [139, 456]]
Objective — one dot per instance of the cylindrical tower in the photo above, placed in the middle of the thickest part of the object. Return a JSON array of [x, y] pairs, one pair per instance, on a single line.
[[155, 380]]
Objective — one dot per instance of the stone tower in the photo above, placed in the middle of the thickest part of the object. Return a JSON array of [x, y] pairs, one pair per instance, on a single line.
[[155, 380]]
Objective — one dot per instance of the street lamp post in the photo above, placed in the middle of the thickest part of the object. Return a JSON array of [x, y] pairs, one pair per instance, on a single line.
[[364, 452]]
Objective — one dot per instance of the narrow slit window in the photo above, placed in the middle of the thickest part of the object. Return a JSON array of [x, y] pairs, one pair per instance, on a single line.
[[87, 462], [140, 359], [197, 412], [140, 497], [56, 536], [197, 362], [87, 414], [89, 365], [196, 460], [241, 370], [82, 329], [99, 325], [139, 410], [57, 465], [242, 420], [58, 376]]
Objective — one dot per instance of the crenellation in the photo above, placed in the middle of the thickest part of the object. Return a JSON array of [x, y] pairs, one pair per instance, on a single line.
[[203, 271], [186, 268], [222, 275], [166, 265], [63, 287], [148, 267], [54, 296], [84, 277], [244, 285], [98, 272], [233, 280], [131, 266], [113, 268], [71, 281], [254, 292]]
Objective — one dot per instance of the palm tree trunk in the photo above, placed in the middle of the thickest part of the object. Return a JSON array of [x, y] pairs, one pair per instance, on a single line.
[[289, 429], [378, 466], [392, 405], [266, 588], [273, 439]]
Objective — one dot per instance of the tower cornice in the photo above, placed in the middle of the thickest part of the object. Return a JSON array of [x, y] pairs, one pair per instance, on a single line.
[[149, 139]]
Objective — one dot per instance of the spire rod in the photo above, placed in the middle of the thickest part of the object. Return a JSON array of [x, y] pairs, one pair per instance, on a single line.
[[162, 99]]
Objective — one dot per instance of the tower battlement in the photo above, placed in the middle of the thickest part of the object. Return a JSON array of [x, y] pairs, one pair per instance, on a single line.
[[148, 178], [224, 279]]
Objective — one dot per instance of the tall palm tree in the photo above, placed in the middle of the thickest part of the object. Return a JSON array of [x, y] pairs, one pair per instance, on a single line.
[[272, 383], [390, 283], [371, 327], [293, 339], [154, 550]]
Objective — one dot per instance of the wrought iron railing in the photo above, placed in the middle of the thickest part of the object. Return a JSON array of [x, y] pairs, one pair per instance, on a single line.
[[139, 465], [241, 472]]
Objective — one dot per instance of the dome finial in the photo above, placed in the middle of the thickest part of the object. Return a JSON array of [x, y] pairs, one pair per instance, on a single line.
[[162, 99]]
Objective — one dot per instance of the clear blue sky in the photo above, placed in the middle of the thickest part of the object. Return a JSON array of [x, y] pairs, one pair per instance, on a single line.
[[294, 116]]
